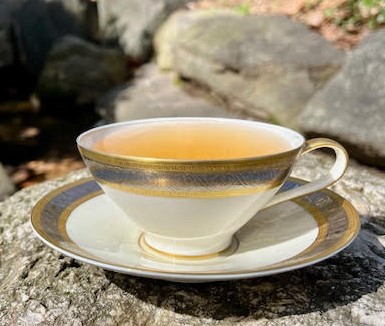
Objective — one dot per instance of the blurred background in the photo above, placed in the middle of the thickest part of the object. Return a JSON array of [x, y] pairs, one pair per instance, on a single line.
[[317, 66]]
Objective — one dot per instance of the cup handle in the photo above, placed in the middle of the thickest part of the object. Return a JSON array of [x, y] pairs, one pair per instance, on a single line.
[[335, 173]]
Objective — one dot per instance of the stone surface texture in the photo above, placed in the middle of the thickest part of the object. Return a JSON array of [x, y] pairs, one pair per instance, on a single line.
[[133, 23], [79, 72], [259, 63], [351, 107], [153, 94], [39, 286]]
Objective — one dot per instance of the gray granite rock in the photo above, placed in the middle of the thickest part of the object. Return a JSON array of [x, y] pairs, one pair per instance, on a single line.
[[173, 28], [153, 94], [42, 287], [133, 23], [78, 72], [351, 107], [261, 63]]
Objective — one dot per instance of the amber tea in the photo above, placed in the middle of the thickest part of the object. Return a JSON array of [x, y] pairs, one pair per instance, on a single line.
[[191, 140]]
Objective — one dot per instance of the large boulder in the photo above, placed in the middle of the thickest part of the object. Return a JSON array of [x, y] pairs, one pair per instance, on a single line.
[[260, 63], [175, 27], [351, 107], [78, 72], [6, 47], [38, 24], [28, 30], [153, 95], [133, 23], [40, 286]]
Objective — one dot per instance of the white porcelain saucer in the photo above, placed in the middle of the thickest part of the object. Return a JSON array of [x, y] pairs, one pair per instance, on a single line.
[[79, 221]]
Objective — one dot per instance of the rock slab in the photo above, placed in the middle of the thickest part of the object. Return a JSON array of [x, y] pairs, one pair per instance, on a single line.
[[78, 72], [261, 63], [351, 106], [42, 287], [153, 94]]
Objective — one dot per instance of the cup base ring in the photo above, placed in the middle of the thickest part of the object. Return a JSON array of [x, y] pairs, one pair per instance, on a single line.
[[146, 247]]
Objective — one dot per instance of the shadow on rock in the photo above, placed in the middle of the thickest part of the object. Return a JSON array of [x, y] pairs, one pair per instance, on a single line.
[[339, 280]]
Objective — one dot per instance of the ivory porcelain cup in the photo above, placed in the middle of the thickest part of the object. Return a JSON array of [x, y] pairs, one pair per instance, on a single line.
[[193, 207]]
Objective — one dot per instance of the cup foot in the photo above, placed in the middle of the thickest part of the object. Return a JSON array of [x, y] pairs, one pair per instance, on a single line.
[[186, 253]]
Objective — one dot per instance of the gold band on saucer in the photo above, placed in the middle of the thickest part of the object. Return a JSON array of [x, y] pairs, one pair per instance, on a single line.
[[338, 223]]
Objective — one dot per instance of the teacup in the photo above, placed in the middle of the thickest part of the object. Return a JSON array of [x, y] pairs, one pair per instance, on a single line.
[[191, 183]]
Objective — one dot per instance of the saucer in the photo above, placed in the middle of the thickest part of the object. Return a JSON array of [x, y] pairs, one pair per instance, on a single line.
[[79, 221]]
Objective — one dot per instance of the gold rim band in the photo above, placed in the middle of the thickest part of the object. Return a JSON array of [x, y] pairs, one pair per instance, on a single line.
[[170, 165]]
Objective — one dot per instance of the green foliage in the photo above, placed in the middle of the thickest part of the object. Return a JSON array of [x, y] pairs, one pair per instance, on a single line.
[[354, 14], [329, 13], [243, 9]]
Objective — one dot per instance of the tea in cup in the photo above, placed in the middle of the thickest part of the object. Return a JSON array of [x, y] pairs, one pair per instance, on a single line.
[[190, 183]]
